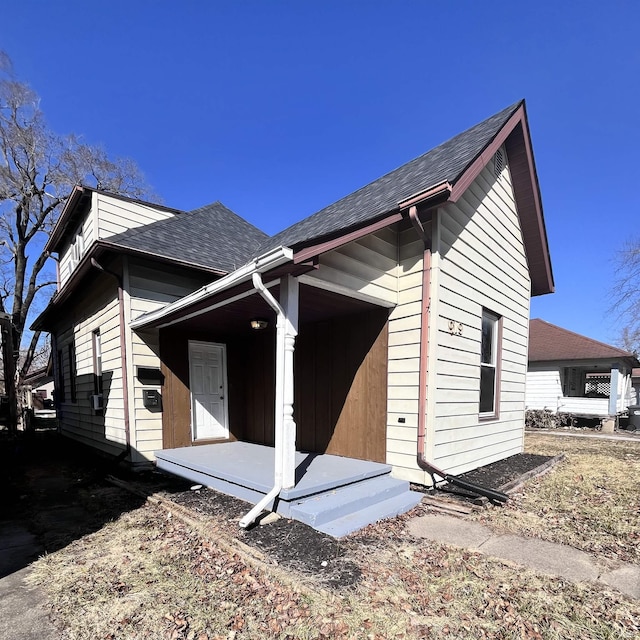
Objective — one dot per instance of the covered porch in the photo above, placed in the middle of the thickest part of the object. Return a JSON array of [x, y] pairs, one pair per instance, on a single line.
[[333, 494], [275, 391]]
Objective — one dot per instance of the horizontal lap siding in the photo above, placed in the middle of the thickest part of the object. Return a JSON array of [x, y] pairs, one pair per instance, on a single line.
[[88, 234], [544, 388], [366, 267], [404, 360], [151, 288], [116, 216], [482, 264], [98, 310]]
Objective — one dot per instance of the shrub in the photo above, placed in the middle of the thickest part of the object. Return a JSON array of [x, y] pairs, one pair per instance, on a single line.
[[546, 419]]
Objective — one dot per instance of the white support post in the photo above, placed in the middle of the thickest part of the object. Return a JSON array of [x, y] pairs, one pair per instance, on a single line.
[[613, 391], [289, 304]]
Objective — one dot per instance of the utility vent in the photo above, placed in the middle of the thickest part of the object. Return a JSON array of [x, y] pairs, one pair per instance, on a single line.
[[498, 162]]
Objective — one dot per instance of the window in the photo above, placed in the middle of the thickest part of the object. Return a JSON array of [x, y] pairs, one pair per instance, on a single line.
[[489, 364], [97, 362], [72, 372], [77, 247]]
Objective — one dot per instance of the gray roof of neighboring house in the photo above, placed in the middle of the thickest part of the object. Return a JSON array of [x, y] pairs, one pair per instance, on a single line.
[[212, 236], [446, 162]]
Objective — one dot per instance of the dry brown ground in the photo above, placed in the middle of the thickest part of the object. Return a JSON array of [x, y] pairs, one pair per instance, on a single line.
[[591, 500], [156, 574]]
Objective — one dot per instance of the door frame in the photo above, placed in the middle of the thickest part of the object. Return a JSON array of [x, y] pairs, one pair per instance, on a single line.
[[223, 348]]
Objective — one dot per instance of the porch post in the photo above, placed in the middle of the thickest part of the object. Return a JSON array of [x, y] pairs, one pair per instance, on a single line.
[[613, 391], [289, 304]]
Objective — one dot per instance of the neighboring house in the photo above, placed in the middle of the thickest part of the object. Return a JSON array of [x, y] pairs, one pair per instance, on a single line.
[[37, 393], [391, 326], [575, 374]]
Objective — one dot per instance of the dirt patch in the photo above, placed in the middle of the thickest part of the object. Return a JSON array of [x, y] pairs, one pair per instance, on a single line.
[[504, 472], [285, 542]]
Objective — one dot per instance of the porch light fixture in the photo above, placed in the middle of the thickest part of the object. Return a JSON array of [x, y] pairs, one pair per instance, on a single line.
[[257, 324]]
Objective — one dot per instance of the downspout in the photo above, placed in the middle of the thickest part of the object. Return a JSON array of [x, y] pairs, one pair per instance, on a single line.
[[123, 355], [423, 463], [279, 421], [424, 337]]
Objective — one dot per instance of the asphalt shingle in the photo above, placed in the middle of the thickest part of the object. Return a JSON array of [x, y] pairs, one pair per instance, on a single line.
[[446, 162], [212, 236], [548, 342]]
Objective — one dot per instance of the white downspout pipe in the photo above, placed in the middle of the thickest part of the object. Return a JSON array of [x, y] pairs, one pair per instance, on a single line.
[[279, 412]]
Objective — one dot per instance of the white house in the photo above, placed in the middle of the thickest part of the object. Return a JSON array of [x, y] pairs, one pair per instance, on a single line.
[[571, 373], [391, 326]]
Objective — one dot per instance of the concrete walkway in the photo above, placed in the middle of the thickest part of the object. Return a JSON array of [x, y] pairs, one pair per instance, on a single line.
[[544, 557], [23, 615]]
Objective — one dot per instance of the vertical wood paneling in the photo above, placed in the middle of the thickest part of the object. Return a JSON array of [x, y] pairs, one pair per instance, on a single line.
[[341, 373]]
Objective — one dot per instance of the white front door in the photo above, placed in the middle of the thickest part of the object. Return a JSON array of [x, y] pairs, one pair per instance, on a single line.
[[208, 384]]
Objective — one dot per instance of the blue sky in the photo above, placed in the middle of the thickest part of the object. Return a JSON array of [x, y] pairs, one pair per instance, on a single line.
[[278, 108]]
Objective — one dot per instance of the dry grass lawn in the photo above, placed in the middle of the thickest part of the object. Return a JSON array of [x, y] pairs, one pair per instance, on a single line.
[[150, 574], [590, 501]]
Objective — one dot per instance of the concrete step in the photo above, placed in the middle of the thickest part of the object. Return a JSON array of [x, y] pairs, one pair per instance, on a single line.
[[343, 501], [358, 519]]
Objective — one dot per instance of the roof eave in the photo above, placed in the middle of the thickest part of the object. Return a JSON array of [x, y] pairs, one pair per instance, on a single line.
[[61, 225], [113, 246], [261, 264], [514, 134]]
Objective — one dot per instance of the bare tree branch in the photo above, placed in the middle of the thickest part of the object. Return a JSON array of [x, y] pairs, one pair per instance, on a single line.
[[38, 171], [625, 295]]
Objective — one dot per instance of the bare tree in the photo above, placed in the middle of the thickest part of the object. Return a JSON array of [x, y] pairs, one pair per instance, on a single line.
[[38, 170], [626, 295]]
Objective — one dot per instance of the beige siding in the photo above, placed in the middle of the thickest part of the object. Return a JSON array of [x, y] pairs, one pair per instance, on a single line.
[[107, 216], [482, 265], [364, 268], [87, 230], [404, 360], [99, 311], [147, 290], [116, 216]]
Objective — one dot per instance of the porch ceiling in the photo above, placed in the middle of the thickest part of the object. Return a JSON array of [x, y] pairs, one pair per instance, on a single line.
[[315, 305]]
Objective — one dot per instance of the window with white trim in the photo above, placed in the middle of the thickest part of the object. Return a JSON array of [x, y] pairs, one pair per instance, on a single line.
[[489, 369]]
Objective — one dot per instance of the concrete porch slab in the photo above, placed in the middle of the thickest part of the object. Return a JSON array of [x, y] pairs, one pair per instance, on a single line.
[[330, 487]]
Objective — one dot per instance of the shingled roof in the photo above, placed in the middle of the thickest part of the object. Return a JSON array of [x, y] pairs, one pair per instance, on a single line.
[[548, 342], [446, 162], [212, 236]]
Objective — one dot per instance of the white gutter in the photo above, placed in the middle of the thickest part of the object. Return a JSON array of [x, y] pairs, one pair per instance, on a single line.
[[261, 264], [279, 415]]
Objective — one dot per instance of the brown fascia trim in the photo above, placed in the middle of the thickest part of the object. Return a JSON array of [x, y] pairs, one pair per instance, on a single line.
[[60, 227], [427, 198], [96, 250], [308, 253], [515, 134], [431, 197], [76, 195], [141, 253]]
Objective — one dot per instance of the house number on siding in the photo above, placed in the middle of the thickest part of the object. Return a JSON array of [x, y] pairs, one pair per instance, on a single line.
[[455, 328]]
